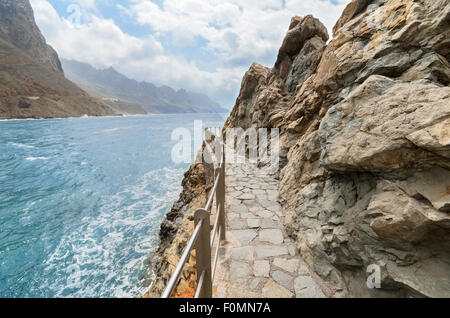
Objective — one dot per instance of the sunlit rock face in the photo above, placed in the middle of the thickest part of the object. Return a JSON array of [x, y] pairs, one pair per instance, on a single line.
[[365, 143]]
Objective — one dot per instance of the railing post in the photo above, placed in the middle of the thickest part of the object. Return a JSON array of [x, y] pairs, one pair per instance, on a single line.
[[222, 196], [203, 253]]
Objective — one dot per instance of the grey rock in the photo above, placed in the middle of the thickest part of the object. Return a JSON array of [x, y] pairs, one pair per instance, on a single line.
[[263, 251], [306, 287], [289, 265], [244, 236], [282, 278], [274, 236], [242, 253], [261, 268], [239, 270]]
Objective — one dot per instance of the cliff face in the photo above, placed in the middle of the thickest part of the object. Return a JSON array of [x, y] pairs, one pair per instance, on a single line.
[[18, 27], [177, 229], [365, 143], [32, 83]]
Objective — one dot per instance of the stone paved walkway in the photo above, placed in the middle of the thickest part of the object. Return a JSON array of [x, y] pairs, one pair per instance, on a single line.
[[258, 259]]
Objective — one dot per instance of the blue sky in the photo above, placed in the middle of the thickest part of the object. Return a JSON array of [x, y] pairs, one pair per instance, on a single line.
[[200, 45]]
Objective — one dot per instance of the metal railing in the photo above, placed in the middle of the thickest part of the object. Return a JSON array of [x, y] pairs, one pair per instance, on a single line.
[[203, 239]]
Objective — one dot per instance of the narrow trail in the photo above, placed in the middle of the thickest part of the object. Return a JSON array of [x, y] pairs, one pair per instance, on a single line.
[[258, 259]]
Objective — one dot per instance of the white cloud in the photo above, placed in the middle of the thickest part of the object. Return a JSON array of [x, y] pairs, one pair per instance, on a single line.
[[236, 33]]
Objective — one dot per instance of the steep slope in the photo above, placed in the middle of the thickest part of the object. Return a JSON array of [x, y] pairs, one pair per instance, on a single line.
[[17, 26], [110, 83], [32, 83], [365, 148]]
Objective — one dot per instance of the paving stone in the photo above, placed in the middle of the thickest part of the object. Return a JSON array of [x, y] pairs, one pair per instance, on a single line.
[[274, 236], [261, 268], [242, 253], [239, 270], [236, 224], [291, 249], [252, 204], [303, 269], [272, 195], [261, 197], [254, 209], [259, 191], [275, 208], [244, 236], [235, 194], [246, 196], [232, 216], [264, 251], [274, 290], [289, 265], [306, 287], [268, 223], [264, 214], [240, 208], [282, 278], [247, 216], [253, 223], [254, 284]]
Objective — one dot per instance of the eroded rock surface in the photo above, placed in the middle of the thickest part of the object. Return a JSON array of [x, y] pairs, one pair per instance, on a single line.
[[365, 167]]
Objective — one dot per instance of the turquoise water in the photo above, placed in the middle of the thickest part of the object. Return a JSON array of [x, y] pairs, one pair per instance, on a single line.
[[81, 202]]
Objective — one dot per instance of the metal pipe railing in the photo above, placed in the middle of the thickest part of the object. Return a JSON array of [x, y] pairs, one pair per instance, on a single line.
[[177, 272], [203, 239]]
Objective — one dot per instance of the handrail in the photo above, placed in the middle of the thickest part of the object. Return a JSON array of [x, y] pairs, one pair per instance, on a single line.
[[203, 239], [177, 272]]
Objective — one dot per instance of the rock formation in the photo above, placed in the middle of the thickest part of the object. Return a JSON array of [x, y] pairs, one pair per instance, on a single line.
[[177, 228], [19, 28], [32, 83], [365, 143]]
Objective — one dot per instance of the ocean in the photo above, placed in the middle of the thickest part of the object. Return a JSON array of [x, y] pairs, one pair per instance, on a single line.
[[82, 199]]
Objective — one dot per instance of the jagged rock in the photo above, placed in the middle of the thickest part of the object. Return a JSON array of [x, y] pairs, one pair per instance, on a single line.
[[368, 130], [364, 144], [305, 63], [18, 27], [300, 31]]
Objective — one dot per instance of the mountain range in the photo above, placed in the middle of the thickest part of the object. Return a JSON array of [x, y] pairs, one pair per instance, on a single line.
[[112, 86]]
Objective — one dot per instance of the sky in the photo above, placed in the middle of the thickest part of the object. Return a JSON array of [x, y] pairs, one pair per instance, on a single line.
[[203, 46]]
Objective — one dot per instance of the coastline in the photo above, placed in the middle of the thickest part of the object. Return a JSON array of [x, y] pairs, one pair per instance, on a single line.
[[176, 230]]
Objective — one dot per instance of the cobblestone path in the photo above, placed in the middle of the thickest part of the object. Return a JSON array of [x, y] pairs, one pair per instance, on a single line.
[[258, 259]]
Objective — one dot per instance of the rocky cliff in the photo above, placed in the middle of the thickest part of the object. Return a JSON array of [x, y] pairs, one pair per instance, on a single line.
[[365, 143], [177, 229], [32, 83], [18, 27]]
